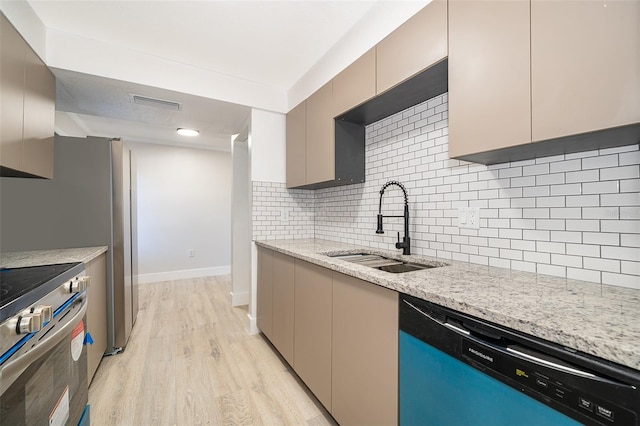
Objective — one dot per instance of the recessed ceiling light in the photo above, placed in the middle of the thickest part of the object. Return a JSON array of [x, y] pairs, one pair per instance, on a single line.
[[188, 132]]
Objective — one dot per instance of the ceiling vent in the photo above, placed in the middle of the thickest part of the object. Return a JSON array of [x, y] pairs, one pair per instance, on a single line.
[[154, 102]]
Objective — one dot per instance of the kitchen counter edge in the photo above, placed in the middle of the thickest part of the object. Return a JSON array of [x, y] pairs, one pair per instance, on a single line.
[[47, 257], [596, 319]]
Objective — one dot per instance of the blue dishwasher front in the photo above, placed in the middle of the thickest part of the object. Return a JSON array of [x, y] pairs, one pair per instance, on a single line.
[[457, 370]]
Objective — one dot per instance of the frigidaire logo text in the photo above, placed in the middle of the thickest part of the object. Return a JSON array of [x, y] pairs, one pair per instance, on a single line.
[[481, 355]]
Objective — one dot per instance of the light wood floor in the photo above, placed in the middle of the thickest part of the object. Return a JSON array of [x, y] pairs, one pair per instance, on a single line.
[[190, 361]]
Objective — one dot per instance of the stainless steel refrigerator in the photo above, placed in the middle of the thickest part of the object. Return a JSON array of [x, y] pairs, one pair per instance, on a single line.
[[91, 201]]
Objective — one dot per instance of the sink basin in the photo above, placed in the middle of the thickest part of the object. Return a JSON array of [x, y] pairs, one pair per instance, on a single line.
[[385, 264], [403, 267]]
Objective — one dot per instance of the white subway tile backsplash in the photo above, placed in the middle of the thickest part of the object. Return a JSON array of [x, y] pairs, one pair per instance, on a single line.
[[565, 166], [583, 274], [621, 226], [600, 162], [626, 199], [601, 187], [552, 215], [615, 173], [622, 253], [630, 281]]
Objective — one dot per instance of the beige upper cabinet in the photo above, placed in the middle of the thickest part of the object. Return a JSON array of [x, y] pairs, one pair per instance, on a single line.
[[489, 89], [296, 146], [28, 108], [312, 334], [364, 353], [320, 145], [39, 117], [585, 58], [12, 49], [355, 84], [414, 46]]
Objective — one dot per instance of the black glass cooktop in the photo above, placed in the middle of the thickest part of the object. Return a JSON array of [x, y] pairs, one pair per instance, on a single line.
[[20, 283]]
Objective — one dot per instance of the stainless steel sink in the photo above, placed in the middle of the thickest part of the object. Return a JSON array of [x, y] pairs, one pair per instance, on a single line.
[[385, 264]]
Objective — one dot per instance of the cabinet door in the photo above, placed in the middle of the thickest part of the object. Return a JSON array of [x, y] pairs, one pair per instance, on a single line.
[[312, 334], [489, 77], [265, 292], [585, 62], [364, 353], [12, 51], [320, 147], [39, 117], [97, 312], [355, 84], [414, 46], [283, 305], [296, 141]]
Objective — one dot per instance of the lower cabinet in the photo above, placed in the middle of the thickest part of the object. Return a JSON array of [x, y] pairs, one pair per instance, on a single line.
[[364, 356], [312, 325], [339, 333], [96, 269], [265, 292], [283, 305]]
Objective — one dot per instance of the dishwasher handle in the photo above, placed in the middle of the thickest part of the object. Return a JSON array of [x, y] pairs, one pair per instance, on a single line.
[[525, 354]]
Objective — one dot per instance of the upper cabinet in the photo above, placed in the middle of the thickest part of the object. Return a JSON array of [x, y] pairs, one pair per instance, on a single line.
[[586, 66], [406, 68], [296, 146], [489, 89], [414, 46], [355, 84], [321, 151], [320, 147], [28, 108], [537, 78]]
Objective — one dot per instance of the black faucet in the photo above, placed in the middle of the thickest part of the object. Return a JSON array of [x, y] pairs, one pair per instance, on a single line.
[[405, 245]]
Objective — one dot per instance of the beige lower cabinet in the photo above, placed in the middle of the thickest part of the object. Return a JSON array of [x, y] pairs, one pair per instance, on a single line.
[[364, 361], [338, 332], [283, 305], [96, 269], [265, 291], [312, 335]]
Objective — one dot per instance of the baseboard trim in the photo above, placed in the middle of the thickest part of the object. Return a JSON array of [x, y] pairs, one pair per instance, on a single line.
[[239, 299], [184, 274], [253, 325]]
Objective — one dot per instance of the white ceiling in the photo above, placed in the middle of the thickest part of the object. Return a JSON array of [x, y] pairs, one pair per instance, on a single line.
[[267, 42]]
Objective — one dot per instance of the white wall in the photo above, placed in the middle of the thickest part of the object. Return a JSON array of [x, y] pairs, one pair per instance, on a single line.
[[267, 152], [184, 202], [267, 145]]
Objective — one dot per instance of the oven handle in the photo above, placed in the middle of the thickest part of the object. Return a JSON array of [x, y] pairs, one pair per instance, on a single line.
[[10, 371]]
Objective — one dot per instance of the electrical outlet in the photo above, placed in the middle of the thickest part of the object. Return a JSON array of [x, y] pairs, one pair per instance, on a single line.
[[284, 215], [469, 217], [191, 252]]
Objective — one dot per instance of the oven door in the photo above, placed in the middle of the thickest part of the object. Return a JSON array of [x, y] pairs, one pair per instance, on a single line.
[[51, 384]]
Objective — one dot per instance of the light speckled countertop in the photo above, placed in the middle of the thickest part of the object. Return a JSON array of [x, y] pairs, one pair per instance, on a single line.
[[597, 319], [46, 257]]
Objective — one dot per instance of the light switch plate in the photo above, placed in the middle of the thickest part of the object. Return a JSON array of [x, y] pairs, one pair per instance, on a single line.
[[469, 217]]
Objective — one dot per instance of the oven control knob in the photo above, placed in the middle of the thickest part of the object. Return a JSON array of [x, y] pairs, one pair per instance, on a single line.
[[79, 284], [45, 311], [29, 323]]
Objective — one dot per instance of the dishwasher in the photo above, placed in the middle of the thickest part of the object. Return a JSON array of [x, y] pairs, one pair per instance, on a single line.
[[455, 369]]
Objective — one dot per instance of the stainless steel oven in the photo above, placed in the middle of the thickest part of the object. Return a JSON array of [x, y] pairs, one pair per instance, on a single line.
[[43, 362]]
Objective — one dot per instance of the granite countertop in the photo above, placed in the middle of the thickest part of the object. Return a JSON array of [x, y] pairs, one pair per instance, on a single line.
[[45, 257], [597, 319]]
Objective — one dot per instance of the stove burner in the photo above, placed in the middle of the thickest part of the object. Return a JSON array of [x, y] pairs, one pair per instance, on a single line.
[[19, 284]]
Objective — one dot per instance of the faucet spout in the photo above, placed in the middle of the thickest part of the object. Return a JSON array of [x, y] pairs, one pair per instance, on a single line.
[[405, 245]]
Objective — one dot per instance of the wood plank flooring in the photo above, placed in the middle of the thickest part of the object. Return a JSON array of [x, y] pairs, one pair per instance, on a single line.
[[191, 361]]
